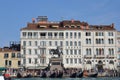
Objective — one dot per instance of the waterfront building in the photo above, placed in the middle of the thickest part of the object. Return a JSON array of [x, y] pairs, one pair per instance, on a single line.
[[10, 57], [83, 45], [118, 49]]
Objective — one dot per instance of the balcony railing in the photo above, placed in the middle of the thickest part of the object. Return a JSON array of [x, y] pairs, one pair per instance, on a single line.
[[100, 56]]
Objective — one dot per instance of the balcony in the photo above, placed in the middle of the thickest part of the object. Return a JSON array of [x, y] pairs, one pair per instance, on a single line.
[[87, 56], [100, 56], [23, 47], [118, 52], [111, 56], [41, 55], [22, 56], [118, 59], [40, 47]]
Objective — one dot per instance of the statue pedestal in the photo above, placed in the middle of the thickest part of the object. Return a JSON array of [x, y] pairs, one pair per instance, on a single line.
[[56, 63]]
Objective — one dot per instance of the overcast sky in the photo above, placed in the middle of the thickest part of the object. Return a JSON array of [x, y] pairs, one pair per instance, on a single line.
[[15, 14]]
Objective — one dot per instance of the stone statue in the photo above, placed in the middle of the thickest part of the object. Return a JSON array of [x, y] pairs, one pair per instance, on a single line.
[[57, 52]]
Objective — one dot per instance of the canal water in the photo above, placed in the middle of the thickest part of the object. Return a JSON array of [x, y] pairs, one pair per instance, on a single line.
[[104, 78]]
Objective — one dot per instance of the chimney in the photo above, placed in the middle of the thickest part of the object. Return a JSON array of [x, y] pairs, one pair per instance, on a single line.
[[33, 20], [112, 25]]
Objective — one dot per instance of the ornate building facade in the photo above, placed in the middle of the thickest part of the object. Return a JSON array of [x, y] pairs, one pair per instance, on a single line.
[[84, 46]]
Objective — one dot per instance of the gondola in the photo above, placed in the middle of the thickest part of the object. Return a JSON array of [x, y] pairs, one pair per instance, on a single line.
[[60, 75], [44, 75], [93, 74], [53, 75], [73, 75], [79, 74]]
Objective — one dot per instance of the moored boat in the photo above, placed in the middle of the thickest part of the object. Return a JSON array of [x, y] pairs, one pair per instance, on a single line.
[[79, 74], [1, 77], [89, 74]]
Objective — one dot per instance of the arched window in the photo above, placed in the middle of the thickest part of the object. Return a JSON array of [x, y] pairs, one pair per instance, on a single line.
[[102, 51], [75, 43], [79, 43], [71, 44], [97, 51], [89, 51]]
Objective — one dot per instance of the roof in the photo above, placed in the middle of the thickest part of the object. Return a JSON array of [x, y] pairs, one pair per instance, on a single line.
[[66, 25], [7, 49]]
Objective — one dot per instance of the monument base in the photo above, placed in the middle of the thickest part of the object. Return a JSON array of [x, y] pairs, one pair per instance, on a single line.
[[56, 63]]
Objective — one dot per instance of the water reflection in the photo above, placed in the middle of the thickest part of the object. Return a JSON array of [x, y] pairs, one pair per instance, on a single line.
[[104, 78]]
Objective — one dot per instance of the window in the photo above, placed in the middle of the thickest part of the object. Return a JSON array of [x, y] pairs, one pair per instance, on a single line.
[[99, 41], [29, 34], [13, 55], [70, 34], [56, 43], [110, 33], [72, 26], [50, 34], [24, 51], [55, 34], [67, 52], [111, 51], [61, 43], [79, 43], [29, 50], [35, 51], [79, 51], [19, 63], [66, 43], [24, 34], [35, 34], [75, 52], [6, 55], [88, 34], [24, 43], [43, 35], [36, 61], [6, 62], [88, 41], [29, 43], [88, 51], [61, 35], [75, 60], [50, 43], [24, 61], [78, 26], [66, 26], [10, 63], [18, 55], [71, 60], [118, 49], [71, 52], [99, 34], [71, 43], [42, 43], [36, 43], [79, 35], [99, 51], [110, 41], [67, 60], [75, 34], [79, 60], [75, 43], [66, 34], [29, 60]]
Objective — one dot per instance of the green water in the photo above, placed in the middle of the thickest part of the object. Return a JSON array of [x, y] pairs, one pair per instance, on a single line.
[[104, 78]]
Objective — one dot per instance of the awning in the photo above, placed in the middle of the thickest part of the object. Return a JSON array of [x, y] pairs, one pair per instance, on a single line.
[[39, 67], [88, 67], [111, 66], [2, 68]]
